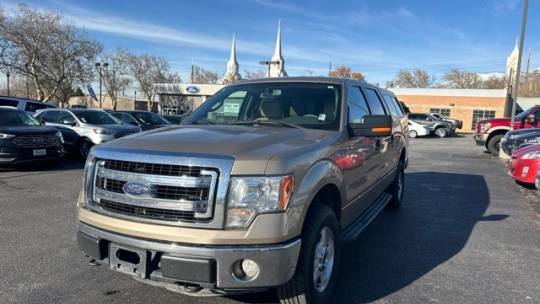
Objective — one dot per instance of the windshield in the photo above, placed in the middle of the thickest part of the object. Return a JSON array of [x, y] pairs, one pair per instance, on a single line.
[[16, 119], [307, 105], [96, 117], [149, 118]]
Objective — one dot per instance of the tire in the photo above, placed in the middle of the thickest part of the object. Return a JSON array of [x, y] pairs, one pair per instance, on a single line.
[[397, 188], [320, 224], [494, 144], [84, 148], [441, 132], [413, 134]]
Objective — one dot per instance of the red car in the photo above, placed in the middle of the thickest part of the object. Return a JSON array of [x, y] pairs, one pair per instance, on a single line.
[[525, 165]]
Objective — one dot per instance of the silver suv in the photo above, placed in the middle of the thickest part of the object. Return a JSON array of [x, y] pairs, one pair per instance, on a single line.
[[83, 128]]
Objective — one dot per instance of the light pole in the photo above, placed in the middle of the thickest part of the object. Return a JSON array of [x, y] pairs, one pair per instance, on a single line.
[[268, 63], [518, 68], [27, 90], [100, 68], [7, 76], [135, 98]]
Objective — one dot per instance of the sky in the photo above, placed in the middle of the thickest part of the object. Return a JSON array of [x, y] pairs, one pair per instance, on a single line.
[[377, 38]]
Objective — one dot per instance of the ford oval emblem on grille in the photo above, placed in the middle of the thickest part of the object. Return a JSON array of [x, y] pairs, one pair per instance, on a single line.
[[136, 189]]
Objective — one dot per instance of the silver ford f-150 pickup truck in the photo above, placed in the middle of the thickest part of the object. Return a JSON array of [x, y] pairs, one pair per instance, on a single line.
[[257, 189]]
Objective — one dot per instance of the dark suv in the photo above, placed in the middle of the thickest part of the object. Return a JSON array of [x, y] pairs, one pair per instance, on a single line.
[[24, 139], [143, 119]]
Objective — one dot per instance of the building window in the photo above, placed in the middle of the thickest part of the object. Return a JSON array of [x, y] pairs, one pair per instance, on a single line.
[[443, 112], [481, 114]]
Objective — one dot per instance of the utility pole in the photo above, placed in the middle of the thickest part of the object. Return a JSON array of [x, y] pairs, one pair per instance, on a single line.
[[100, 68], [528, 62], [7, 76], [135, 98], [27, 90], [329, 68], [518, 69]]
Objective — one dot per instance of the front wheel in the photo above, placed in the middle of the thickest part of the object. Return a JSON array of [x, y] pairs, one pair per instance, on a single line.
[[316, 274], [494, 144], [441, 132], [84, 148], [397, 188], [413, 134]]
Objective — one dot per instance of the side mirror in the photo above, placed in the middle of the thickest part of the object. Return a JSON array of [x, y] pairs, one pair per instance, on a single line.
[[372, 126]]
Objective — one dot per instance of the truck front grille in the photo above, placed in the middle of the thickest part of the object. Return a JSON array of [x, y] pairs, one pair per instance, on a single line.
[[153, 169], [163, 192], [146, 212], [36, 141]]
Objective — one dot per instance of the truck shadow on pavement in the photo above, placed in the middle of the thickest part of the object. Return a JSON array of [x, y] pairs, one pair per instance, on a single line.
[[434, 224]]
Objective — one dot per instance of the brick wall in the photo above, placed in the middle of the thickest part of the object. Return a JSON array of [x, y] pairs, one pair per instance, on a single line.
[[461, 107]]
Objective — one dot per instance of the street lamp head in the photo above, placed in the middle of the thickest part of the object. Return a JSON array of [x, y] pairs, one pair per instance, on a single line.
[[98, 64], [105, 65]]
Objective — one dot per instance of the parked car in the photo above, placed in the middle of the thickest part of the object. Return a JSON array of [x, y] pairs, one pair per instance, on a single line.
[[253, 191], [525, 165], [437, 127], [84, 128], [517, 139], [174, 119], [23, 139], [416, 129], [458, 124], [27, 105], [143, 119], [489, 132]]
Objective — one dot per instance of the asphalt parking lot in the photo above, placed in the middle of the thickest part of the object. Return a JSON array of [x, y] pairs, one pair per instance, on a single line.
[[466, 234]]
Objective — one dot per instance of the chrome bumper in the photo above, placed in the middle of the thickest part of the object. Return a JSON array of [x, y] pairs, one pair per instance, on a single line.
[[277, 263]]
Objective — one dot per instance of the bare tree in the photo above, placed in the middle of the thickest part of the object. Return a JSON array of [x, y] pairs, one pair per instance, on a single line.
[[202, 76], [530, 85], [346, 72], [148, 70], [116, 75], [45, 48], [254, 75], [459, 79], [417, 78], [494, 82]]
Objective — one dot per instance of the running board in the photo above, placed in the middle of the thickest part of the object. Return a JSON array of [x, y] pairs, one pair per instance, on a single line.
[[357, 226]]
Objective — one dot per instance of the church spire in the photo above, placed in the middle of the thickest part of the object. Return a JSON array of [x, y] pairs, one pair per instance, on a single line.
[[277, 66], [232, 74]]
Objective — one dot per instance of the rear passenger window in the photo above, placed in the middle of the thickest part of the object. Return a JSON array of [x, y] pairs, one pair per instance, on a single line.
[[49, 116], [8, 103], [393, 106], [357, 105], [374, 102], [34, 106]]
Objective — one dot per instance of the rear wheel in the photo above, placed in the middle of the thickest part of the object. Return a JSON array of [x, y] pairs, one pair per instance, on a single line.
[[413, 134], [441, 132], [316, 272], [494, 144], [397, 188]]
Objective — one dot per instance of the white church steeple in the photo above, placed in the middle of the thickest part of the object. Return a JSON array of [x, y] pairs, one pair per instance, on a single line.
[[277, 64], [232, 74]]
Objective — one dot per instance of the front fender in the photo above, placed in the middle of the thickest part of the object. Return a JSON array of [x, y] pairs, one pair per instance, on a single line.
[[322, 173]]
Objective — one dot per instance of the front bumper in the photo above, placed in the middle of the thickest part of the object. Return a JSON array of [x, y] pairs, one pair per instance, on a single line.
[[172, 264], [16, 155], [480, 139], [524, 171]]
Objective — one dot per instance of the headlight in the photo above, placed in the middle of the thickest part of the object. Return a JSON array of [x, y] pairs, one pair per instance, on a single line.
[[531, 155], [6, 136], [485, 127], [103, 131], [249, 196], [88, 179], [59, 135]]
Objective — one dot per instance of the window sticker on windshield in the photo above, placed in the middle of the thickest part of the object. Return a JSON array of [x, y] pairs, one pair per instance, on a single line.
[[330, 87], [322, 117]]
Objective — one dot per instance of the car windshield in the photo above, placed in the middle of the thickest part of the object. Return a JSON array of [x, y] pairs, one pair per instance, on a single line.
[[96, 117], [307, 105], [149, 118], [17, 119]]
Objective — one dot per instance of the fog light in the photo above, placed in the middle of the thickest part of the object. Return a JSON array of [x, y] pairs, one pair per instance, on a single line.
[[245, 270]]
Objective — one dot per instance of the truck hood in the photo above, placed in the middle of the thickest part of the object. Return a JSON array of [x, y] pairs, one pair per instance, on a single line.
[[250, 146], [519, 153], [28, 130]]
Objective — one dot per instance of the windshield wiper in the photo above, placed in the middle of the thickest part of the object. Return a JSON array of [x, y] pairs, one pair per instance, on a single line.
[[268, 123]]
